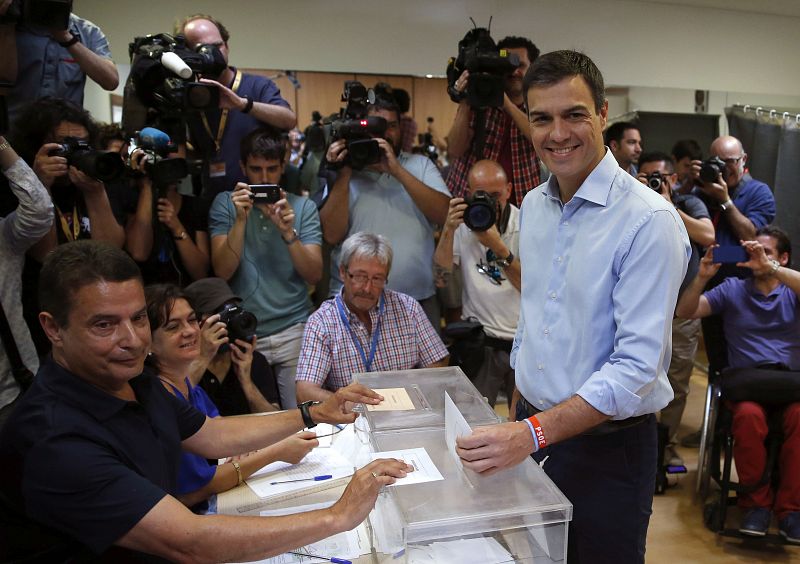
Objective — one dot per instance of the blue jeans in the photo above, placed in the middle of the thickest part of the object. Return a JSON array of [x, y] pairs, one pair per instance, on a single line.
[[610, 480]]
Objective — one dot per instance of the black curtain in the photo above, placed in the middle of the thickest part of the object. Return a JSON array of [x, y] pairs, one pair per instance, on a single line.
[[772, 144]]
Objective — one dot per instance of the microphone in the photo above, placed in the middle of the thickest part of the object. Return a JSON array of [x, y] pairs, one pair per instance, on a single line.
[[173, 62], [154, 140]]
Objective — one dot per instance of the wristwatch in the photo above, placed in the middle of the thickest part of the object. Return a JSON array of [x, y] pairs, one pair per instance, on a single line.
[[306, 413], [505, 262], [291, 239], [67, 44], [725, 206]]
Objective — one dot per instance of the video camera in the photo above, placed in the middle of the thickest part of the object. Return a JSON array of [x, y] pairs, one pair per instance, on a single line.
[[158, 166], [710, 169], [357, 128], [161, 86], [52, 14], [488, 67], [100, 165]]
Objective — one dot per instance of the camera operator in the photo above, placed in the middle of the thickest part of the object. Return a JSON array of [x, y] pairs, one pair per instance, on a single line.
[[269, 252], [55, 61], [491, 292], [236, 377], [683, 153], [507, 132], [401, 198], [20, 229], [656, 170], [84, 206], [178, 252], [246, 102]]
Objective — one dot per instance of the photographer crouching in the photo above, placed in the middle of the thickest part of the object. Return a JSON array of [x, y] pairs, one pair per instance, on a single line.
[[480, 240]]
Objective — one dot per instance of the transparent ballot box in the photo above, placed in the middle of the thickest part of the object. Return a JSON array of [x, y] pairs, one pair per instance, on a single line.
[[516, 515], [425, 389]]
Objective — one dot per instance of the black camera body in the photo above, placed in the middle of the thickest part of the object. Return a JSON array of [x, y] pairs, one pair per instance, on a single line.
[[158, 166], [481, 212], [710, 169], [240, 323], [52, 14], [155, 95], [357, 128], [488, 67], [100, 165], [265, 193], [654, 180]]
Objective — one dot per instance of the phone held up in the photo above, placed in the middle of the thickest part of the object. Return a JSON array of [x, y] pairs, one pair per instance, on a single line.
[[730, 254], [265, 193]]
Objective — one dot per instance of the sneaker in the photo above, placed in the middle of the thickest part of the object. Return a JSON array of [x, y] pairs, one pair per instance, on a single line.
[[756, 522], [672, 458], [790, 527], [692, 440]]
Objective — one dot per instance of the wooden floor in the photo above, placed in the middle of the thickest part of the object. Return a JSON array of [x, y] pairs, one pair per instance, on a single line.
[[677, 534]]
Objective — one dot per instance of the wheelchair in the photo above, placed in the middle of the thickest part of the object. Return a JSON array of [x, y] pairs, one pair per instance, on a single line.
[[714, 485]]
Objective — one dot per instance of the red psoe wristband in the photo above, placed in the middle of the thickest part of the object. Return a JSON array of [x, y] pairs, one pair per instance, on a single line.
[[537, 430]]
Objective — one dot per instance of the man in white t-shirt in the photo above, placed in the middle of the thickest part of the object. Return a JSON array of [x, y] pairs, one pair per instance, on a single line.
[[489, 270]]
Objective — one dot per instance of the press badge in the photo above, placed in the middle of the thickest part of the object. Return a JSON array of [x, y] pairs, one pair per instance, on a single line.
[[216, 169]]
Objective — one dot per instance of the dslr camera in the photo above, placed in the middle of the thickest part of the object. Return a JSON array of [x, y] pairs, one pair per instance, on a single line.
[[100, 165], [481, 212], [158, 166], [241, 324], [711, 169], [654, 181], [357, 128], [53, 14], [488, 67], [162, 84]]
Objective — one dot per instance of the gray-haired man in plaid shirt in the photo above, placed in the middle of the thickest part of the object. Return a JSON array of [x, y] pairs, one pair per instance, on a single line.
[[366, 327]]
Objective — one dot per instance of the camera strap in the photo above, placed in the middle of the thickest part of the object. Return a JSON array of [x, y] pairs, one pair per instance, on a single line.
[[76, 224], [223, 118], [376, 334]]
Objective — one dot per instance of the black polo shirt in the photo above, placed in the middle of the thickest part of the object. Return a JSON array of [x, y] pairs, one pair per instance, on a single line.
[[79, 468]]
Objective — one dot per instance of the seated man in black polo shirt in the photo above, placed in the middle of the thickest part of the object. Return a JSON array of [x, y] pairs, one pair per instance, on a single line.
[[89, 457]]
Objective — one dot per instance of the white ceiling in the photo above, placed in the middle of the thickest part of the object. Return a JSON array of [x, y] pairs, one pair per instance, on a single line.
[[789, 8]]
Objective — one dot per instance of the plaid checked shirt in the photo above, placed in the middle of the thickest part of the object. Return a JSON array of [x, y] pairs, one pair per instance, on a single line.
[[525, 174], [329, 357]]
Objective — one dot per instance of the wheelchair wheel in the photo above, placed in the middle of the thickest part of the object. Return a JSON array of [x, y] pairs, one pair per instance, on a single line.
[[707, 435]]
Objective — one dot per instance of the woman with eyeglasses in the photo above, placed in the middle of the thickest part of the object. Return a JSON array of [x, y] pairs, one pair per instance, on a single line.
[[175, 345]]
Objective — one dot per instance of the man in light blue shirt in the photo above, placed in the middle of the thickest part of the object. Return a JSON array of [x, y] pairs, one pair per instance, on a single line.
[[602, 260], [401, 198]]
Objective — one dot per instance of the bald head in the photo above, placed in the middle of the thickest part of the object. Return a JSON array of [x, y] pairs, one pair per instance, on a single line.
[[730, 150], [490, 177]]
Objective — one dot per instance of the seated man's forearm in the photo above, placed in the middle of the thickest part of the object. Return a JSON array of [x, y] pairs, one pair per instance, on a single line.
[[308, 391]]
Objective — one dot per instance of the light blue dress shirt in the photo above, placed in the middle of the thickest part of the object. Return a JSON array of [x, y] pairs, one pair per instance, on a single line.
[[600, 279]]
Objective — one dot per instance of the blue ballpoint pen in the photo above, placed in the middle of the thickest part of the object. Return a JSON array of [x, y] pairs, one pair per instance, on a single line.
[[314, 479], [332, 559]]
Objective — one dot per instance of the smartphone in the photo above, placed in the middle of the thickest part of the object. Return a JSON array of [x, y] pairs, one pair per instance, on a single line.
[[265, 193], [730, 254]]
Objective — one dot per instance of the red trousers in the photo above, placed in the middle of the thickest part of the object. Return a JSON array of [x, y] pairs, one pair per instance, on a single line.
[[750, 455]]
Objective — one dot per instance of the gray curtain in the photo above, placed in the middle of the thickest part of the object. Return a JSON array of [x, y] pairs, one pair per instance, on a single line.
[[773, 148]]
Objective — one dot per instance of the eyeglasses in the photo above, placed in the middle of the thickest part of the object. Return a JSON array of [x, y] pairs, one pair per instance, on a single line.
[[490, 268], [733, 160], [362, 279]]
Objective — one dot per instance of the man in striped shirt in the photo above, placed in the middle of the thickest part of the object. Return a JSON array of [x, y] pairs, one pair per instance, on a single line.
[[366, 327]]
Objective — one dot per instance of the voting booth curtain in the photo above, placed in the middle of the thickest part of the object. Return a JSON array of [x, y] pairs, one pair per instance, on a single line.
[[772, 143]]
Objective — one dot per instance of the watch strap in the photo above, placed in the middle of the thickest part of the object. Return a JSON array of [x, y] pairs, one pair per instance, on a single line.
[[506, 262], [726, 205], [293, 238], [67, 44], [308, 422], [248, 106]]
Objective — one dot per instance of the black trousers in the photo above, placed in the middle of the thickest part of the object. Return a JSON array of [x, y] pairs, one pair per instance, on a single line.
[[610, 479]]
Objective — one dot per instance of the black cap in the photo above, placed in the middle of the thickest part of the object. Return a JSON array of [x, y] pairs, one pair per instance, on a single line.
[[209, 294]]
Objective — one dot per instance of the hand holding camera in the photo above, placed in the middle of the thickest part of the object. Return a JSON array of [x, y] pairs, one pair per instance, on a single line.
[[455, 214], [709, 176], [213, 334], [388, 162], [242, 359], [228, 99], [84, 182], [242, 200], [48, 166]]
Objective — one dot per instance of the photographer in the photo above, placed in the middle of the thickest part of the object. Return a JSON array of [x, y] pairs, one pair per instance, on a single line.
[[656, 170], [238, 379], [491, 292], [269, 249], [19, 229], [246, 102], [401, 198], [625, 142], [176, 249], [507, 132], [55, 62]]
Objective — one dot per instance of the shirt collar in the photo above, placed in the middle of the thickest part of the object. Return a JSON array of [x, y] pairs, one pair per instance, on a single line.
[[597, 186], [79, 393], [373, 313]]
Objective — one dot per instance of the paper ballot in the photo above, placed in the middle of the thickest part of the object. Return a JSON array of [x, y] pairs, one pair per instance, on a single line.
[[394, 399], [454, 425], [316, 463], [424, 468]]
